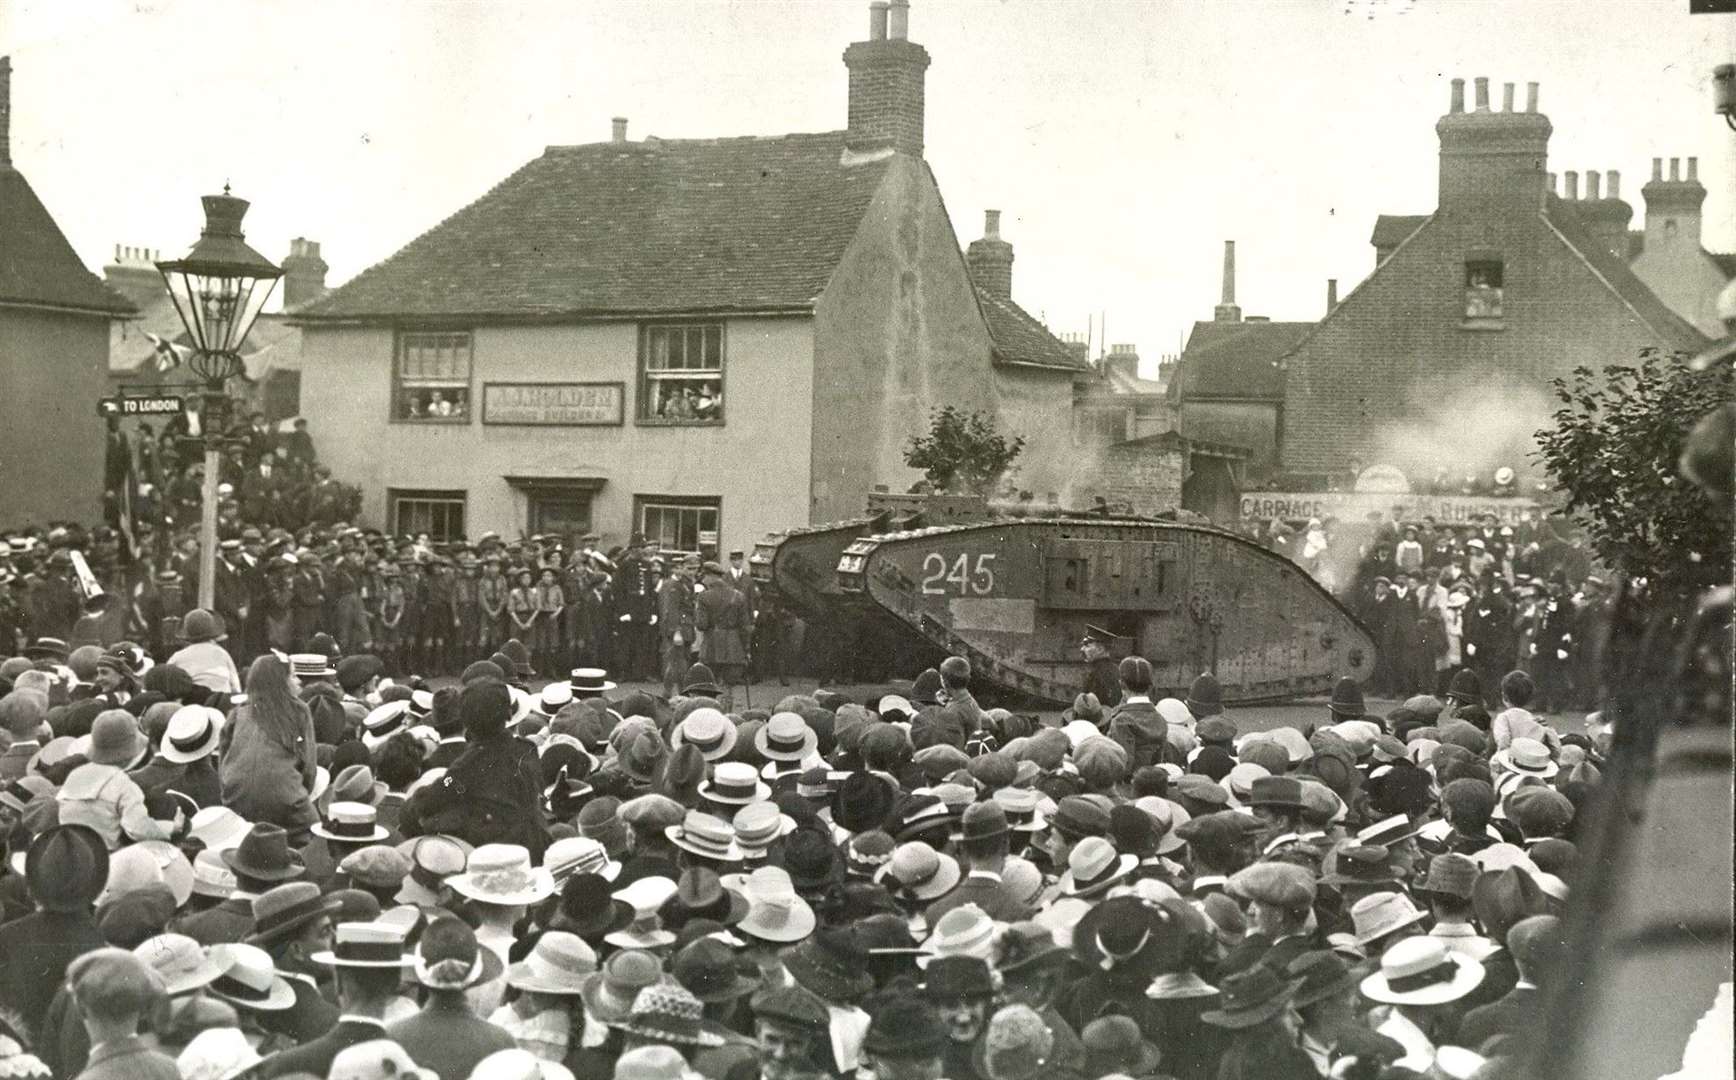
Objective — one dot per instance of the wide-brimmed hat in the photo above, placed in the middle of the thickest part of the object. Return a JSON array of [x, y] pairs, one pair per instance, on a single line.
[[192, 733], [148, 862], [644, 752], [182, 963], [646, 896], [1114, 1044], [1250, 996], [248, 979], [920, 871], [608, 994], [351, 822], [559, 963], [502, 874], [589, 908], [1093, 865], [966, 930], [378, 944], [705, 835], [709, 970], [786, 736], [1125, 934], [115, 739], [1322, 974], [667, 1013], [1379, 914], [48, 648], [775, 912], [1528, 757], [699, 894], [1421, 970], [707, 730], [264, 855], [833, 964], [287, 908], [218, 1053], [589, 680]]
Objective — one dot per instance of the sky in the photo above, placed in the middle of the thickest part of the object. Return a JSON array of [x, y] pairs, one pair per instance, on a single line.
[[1123, 140]]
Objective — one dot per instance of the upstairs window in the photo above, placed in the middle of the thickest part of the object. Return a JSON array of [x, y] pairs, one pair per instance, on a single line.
[[681, 374], [431, 379], [1483, 290]]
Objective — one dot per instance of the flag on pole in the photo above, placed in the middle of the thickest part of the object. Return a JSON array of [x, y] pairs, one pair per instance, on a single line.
[[167, 355]]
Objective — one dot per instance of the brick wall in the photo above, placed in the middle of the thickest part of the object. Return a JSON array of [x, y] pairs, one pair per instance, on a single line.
[[1145, 478], [1396, 357]]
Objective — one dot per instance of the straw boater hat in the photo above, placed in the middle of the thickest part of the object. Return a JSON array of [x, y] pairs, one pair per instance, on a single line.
[[572, 855], [734, 783], [192, 733], [1421, 970], [705, 835], [384, 722], [502, 874], [758, 825], [249, 979], [351, 823], [312, 666], [708, 730], [786, 737], [1527, 757], [366, 945], [589, 680]]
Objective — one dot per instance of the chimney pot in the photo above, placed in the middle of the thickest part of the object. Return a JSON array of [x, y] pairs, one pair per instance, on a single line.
[[1227, 311], [1457, 104], [1657, 168], [1593, 184], [1675, 169], [1571, 192], [877, 20], [1506, 97], [1549, 182], [1612, 180], [1331, 293], [898, 20], [1530, 97], [618, 129], [1693, 169], [1482, 84], [991, 224]]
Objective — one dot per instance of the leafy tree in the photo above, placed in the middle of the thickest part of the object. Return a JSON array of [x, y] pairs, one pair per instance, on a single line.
[[1614, 450], [962, 452]]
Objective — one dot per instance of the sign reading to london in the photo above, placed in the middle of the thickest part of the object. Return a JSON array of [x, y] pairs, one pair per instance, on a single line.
[[553, 404]]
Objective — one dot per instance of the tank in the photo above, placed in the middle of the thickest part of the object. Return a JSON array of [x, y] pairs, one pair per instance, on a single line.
[[800, 565], [1015, 595]]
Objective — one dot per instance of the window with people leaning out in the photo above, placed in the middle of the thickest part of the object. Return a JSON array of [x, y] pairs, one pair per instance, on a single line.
[[431, 378], [1483, 289], [681, 373]]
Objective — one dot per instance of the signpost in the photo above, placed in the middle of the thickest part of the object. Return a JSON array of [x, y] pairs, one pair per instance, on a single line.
[[122, 405]]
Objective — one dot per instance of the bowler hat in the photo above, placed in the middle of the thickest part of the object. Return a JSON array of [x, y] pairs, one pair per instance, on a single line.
[[66, 867], [708, 969], [983, 821], [957, 976]]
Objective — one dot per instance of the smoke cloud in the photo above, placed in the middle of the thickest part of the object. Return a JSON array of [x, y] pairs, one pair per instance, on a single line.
[[1478, 425]]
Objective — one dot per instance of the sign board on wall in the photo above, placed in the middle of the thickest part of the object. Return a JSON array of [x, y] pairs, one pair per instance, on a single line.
[[1356, 506], [553, 404]]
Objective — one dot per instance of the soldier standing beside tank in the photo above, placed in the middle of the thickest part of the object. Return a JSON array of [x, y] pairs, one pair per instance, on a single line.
[[1101, 677]]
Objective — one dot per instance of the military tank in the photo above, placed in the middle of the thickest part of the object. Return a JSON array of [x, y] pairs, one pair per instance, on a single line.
[[1014, 594]]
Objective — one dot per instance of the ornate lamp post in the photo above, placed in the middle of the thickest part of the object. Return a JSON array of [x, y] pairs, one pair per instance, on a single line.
[[219, 289]]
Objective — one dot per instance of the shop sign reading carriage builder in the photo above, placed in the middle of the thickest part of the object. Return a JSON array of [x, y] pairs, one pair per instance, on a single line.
[[553, 404]]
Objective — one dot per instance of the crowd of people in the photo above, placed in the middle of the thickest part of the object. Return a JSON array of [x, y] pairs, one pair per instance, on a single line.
[[319, 869]]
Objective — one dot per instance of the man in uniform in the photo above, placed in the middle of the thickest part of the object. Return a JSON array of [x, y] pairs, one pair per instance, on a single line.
[[675, 621], [636, 599], [1100, 676]]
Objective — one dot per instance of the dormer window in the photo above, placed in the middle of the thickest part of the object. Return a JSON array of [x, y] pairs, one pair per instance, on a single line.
[[1483, 287]]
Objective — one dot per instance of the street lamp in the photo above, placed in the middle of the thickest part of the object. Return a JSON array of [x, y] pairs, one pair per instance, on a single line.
[[219, 288]]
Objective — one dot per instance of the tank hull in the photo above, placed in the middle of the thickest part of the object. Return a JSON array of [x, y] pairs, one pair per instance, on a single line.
[[800, 565], [1015, 596]]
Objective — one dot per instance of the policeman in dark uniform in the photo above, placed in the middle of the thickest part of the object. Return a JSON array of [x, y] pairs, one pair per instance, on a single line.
[[636, 595], [1100, 678]]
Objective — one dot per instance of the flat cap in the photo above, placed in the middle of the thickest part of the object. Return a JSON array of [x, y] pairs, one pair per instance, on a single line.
[[1280, 884]]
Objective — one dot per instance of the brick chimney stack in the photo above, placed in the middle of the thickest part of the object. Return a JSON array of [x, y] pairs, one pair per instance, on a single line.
[[1604, 213], [1227, 311], [886, 83], [133, 274], [1122, 359], [5, 112], [1673, 206], [303, 273], [1331, 293], [1492, 160], [618, 129], [991, 259]]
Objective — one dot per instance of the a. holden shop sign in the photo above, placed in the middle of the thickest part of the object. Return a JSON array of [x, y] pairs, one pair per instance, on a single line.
[[1349, 506]]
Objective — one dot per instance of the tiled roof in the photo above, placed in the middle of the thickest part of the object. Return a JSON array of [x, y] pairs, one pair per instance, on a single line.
[[1390, 230], [1237, 359], [38, 268], [662, 225], [1672, 330], [1021, 339]]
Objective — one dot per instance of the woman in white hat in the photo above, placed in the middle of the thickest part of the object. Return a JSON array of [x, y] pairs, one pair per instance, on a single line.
[[1419, 978]]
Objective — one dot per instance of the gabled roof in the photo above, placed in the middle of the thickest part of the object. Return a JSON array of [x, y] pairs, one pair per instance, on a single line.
[[1020, 339], [1672, 330], [38, 267], [1390, 230], [618, 229], [1237, 360]]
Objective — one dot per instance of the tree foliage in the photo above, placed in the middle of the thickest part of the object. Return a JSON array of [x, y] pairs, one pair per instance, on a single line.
[[1614, 450], [963, 452]]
